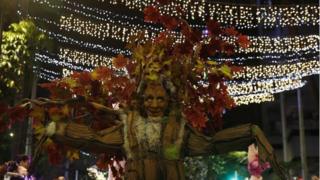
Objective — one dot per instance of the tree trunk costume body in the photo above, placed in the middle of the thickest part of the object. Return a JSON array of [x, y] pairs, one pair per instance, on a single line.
[[157, 153]]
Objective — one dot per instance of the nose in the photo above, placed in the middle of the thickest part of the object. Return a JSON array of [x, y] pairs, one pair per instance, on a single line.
[[154, 103]]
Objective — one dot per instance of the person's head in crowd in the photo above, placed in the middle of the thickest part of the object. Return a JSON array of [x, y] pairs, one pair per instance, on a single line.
[[23, 160]]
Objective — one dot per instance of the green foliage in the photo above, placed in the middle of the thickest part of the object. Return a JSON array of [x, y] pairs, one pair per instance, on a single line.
[[171, 152], [19, 45], [216, 166]]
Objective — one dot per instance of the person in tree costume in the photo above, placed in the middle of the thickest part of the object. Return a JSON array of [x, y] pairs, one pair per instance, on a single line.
[[156, 139], [171, 96]]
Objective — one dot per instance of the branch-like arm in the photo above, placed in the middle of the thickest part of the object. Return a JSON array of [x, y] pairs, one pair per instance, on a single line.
[[234, 139], [82, 137]]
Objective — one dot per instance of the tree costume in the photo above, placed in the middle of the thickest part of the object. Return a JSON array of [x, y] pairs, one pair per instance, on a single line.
[[178, 140], [181, 116]]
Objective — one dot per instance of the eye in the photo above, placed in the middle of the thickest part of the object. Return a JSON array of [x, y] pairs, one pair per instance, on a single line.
[[148, 98], [160, 98]]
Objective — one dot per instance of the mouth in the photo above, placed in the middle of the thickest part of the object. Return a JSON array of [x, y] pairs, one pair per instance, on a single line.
[[154, 112]]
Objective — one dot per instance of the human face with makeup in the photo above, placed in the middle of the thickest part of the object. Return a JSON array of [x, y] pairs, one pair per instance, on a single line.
[[155, 100]]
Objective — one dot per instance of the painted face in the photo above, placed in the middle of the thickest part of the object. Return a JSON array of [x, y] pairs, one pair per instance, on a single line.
[[155, 100]]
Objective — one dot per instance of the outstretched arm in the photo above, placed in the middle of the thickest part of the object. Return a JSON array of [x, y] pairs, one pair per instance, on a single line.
[[82, 137], [233, 139]]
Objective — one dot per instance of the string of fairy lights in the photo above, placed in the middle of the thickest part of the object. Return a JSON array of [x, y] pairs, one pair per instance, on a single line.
[[275, 59], [253, 98], [83, 58], [64, 39], [271, 45], [261, 44], [299, 69], [55, 61], [264, 86], [265, 44], [241, 16], [262, 91], [288, 57], [68, 40], [293, 57], [100, 15]]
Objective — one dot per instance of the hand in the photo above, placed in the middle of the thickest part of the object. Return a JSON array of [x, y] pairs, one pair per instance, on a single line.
[[51, 129]]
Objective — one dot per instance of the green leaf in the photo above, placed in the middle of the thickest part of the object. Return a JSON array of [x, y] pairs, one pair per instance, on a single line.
[[226, 71], [171, 152]]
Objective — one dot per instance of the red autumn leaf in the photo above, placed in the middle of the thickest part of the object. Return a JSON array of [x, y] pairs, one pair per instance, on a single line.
[[57, 89], [131, 67], [120, 61], [162, 37], [228, 49], [231, 31], [151, 14], [84, 78], [193, 35], [185, 28], [184, 48], [213, 27], [163, 2], [103, 72], [102, 162], [206, 51], [169, 22], [18, 113], [79, 91], [243, 41], [195, 117], [236, 68], [216, 44]]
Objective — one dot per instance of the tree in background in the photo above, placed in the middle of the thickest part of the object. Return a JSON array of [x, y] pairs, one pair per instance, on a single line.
[[19, 45], [8, 14]]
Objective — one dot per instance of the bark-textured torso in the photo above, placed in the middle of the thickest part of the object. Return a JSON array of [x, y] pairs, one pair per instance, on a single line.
[[145, 162]]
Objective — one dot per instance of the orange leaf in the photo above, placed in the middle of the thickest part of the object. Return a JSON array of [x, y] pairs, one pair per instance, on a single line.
[[243, 41], [231, 31], [196, 117], [151, 14], [214, 27], [120, 61], [169, 22]]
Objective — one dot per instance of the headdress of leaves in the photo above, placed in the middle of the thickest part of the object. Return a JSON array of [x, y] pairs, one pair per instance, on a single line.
[[189, 64]]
